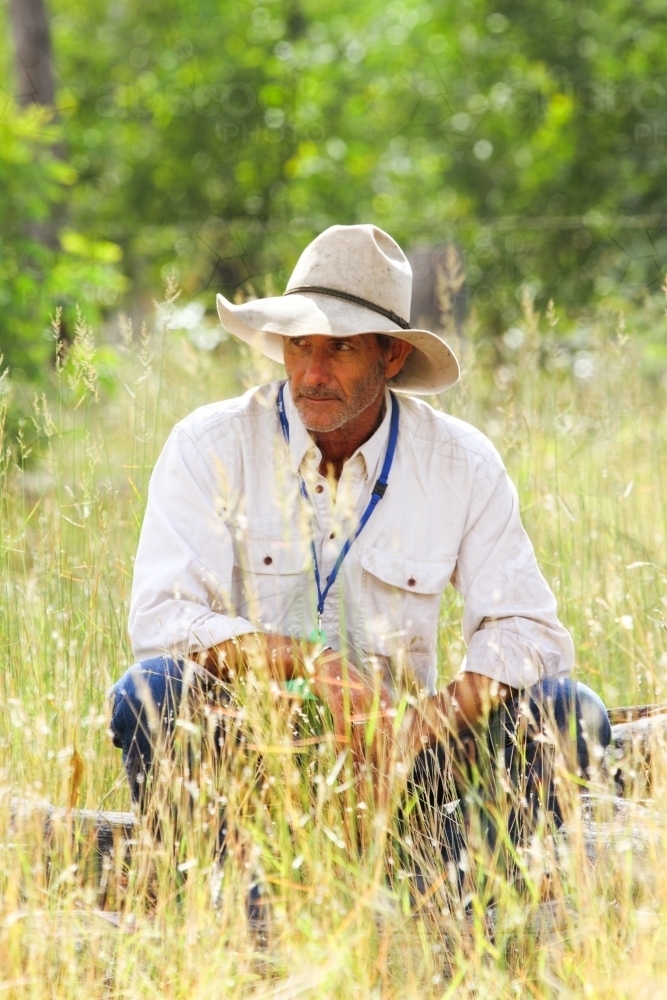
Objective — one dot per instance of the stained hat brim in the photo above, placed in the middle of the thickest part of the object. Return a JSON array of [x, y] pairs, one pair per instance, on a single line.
[[263, 323]]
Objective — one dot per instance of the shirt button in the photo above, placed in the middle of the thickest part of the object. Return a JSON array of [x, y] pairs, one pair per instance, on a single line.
[[411, 581], [332, 535], [267, 560], [319, 488]]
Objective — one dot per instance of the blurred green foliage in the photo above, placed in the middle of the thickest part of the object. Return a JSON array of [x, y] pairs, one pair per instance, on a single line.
[[218, 137], [40, 266]]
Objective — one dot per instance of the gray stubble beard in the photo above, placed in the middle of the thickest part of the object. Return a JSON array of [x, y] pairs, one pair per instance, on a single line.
[[368, 392]]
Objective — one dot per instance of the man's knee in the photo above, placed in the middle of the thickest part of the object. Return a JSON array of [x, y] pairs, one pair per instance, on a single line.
[[593, 716], [145, 699], [573, 708]]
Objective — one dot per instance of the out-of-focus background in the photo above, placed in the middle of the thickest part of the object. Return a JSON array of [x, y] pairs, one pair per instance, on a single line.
[[215, 139]]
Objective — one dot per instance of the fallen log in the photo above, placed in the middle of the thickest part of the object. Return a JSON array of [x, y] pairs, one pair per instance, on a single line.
[[629, 759], [641, 735], [100, 843], [631, 713], [108, 825], [636, 733], [97, 845]]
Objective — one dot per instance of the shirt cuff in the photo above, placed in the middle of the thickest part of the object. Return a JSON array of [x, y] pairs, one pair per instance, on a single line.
[[214, 629], [506, 654]]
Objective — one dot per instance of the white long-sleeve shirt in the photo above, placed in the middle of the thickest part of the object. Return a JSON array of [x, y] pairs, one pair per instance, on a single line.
[[225, 545]]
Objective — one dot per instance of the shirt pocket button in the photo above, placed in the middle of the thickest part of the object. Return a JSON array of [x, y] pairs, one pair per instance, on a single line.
[[267, 560], [411, 581]]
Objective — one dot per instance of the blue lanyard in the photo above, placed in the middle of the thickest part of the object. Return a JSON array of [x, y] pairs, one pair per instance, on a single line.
[[377, 494]]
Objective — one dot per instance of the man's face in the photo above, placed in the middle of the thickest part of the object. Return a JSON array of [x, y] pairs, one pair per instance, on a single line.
[[334, 379]]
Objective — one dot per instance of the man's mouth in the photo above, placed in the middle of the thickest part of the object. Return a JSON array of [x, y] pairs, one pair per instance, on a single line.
[[319, 399]]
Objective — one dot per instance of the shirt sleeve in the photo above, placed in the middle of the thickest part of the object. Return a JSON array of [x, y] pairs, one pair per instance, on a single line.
[[510, 621], [181, 591]]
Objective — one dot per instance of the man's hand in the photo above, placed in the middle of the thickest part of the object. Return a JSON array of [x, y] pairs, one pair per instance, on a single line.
[[282, 657], [361, 709], [471, 698], [455, 714]]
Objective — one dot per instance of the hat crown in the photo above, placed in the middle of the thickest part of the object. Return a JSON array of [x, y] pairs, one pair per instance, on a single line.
[[349, 281], [360, 260]]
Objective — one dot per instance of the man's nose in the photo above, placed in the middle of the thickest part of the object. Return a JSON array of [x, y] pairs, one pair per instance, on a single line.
[[317, 370]]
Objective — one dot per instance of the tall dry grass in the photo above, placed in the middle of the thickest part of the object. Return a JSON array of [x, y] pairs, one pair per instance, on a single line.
[[580, 420]]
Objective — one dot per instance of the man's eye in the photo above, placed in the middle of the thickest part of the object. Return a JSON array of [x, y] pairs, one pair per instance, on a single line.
[[338, 346]]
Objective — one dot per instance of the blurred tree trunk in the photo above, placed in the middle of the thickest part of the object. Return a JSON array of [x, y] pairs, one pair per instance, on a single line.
[[36, 85], [439, 291], [32, 41]]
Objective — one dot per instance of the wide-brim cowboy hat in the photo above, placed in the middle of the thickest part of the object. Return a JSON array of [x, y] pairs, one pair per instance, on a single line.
[[349, 280]]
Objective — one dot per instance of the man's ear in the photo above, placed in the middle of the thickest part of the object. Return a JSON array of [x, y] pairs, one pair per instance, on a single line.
[[396, 356]]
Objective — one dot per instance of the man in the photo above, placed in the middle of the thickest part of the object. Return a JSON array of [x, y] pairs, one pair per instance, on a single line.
[[309, 528]]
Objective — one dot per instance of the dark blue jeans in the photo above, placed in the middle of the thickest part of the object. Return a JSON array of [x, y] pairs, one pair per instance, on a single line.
[[501, 779], [145, 705], [147, 699]]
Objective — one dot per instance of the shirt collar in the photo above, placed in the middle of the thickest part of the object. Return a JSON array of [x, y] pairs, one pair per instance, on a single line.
[[301, 444]]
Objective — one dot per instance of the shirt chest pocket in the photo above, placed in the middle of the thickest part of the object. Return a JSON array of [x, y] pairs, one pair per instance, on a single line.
[[271, 577], [400, 605]]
